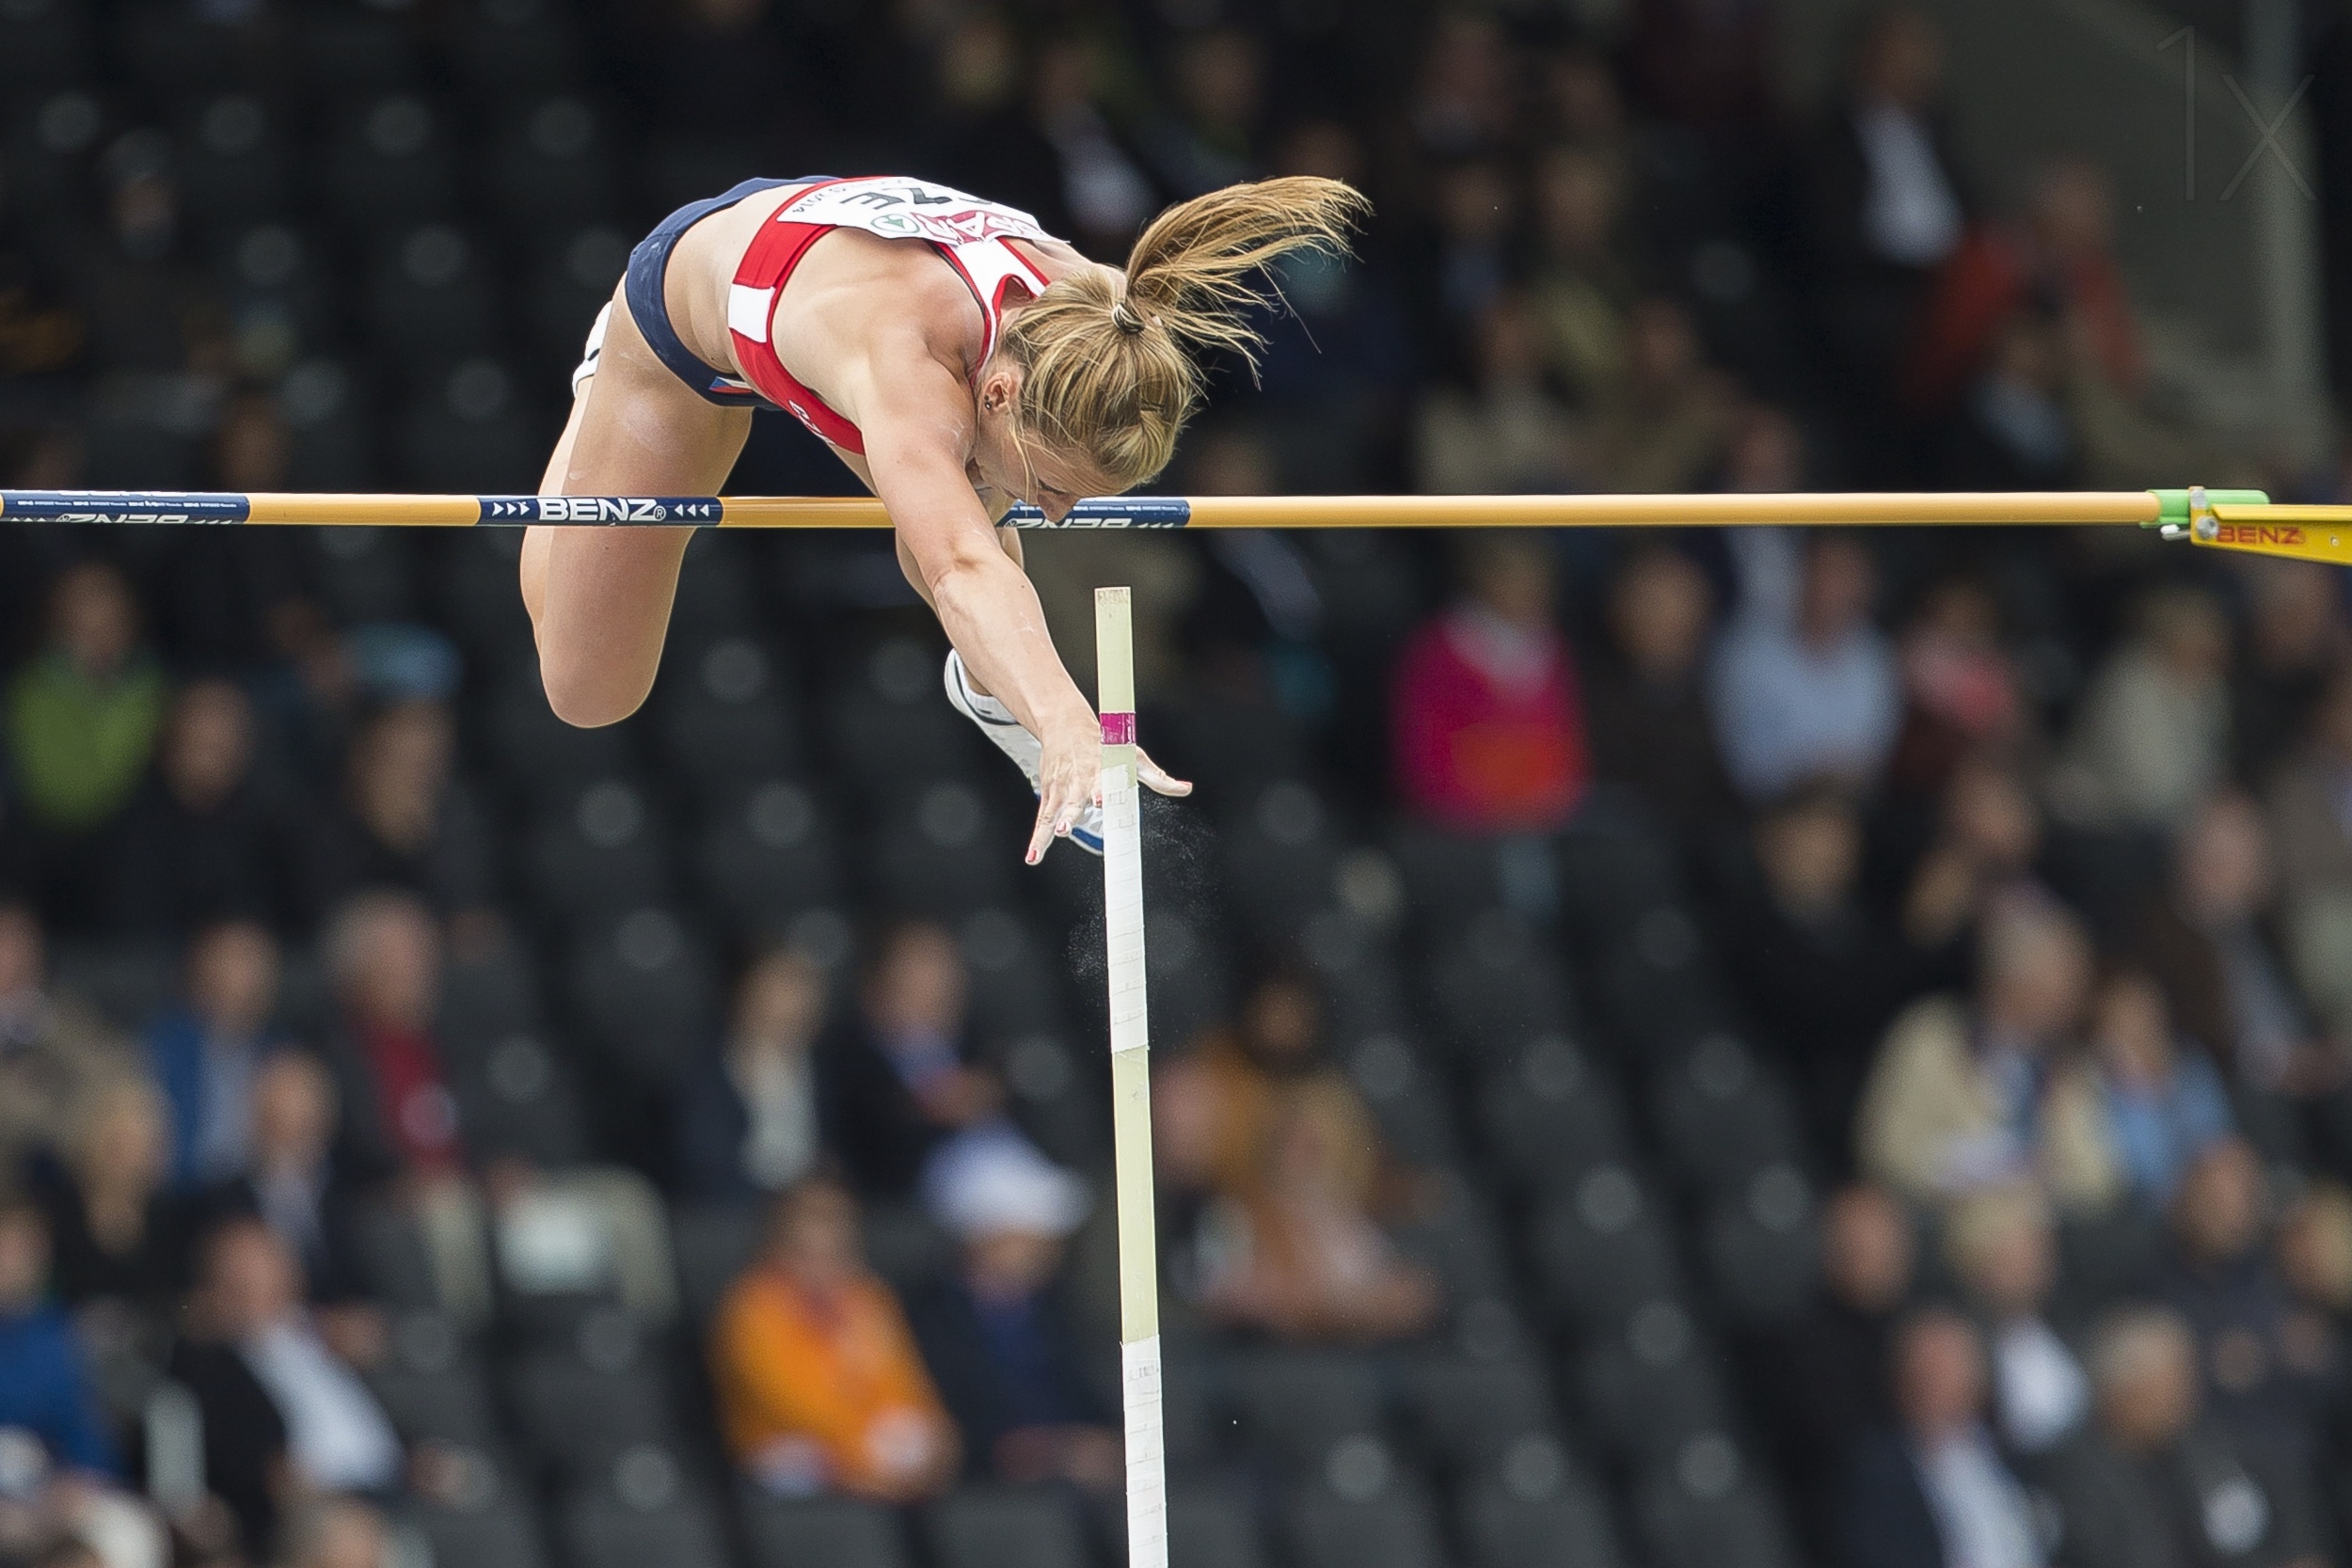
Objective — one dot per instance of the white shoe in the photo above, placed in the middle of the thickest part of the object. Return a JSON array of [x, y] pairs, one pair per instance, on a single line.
[[1006, 733]]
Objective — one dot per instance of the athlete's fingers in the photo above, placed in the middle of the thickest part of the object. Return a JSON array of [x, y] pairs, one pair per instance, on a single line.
[[1157, 779], [1058, 807]]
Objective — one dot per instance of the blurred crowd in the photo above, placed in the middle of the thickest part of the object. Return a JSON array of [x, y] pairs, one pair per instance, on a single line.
[[1743, 1050]]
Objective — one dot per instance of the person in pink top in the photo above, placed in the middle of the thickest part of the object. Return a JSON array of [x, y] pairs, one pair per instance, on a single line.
[[1487, 717]]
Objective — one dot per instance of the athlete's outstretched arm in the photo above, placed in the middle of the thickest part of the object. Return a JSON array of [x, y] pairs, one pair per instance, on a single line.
[[917, 439]]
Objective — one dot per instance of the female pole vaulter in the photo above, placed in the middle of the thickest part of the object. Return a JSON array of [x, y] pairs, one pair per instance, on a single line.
[[958, 358]]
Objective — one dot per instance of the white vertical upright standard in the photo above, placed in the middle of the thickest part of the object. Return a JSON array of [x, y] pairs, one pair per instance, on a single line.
[[1131, 1085]]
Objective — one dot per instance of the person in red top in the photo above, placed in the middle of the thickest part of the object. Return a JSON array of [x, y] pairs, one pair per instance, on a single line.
[[385, 953], [1487, 716], [2062, 253]]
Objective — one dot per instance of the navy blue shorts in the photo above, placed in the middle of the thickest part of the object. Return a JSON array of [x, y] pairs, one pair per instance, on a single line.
[[648, 264]]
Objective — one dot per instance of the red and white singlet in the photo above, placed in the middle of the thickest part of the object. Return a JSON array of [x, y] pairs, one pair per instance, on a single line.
[[968, 231]]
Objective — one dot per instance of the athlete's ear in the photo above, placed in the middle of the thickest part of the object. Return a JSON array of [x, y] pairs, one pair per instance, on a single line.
[[1000, 388]]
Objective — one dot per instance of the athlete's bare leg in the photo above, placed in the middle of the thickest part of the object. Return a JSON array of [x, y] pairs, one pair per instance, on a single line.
[[599, 597]]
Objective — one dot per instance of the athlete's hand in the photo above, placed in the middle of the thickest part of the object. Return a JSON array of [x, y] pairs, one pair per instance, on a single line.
[[1157, 779], [1070, 778]]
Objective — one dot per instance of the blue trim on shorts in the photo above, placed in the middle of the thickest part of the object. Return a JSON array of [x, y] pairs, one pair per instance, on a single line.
[[649, 263]]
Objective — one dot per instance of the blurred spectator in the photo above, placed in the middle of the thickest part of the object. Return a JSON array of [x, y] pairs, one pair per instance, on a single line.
[[2315, 1262], [53, 1048], [339, 1532], [1965, 1096], [907, 1085], [2014, 429], [150, 314], [1806, 686], [206, 839], [403, 821], [1661, 425], [2060, 255], [1487, 718], [45, 1388], [1934, 1492], [2004, 1249], [285, 1417], [997, 1339], [1960, 687], [287, 1176], [118, 1232], [1885, 206], [81, 722], [1508, 432], [2295, 635], [1985, 846], [2262, 1378], [1466, 97], [2309, 809], [2157, 1487], [207, 1048], [820, 1386], [2152, 735], [2165, 1102], [1583, 285], [1107, 197], [59, 1504], [1706, 64], [2208, 940], [384, 955], [1647, 700], [1467, 260], [755, 1117], [1210, 140], [1817, 971], [1257, 1118], [1823, 1378]]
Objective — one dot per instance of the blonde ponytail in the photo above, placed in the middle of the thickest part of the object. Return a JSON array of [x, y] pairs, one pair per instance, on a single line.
[[1113, 376]]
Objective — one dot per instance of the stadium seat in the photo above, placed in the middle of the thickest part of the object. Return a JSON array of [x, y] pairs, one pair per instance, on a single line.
[[1458, 1240], [1277, 853], [499, 47], [387, 167], [645, 992], [501, 1533], [720, 732], [597, 856], [1017, 988], [820, 1533], [769, 859], [1234, 747], [465, 433], [338, 53], [1297, 1407], [712, 1243], [232, 168], [44, 44], [943, 852], [479, 596], [485, 998], [1410, 1104], [1703, 1511], [520, 1099], [1396, 1530], [632, 1524], [1470, 1414], [571, 277], [540, 759], [1005, 1528], [1492, 987], [1600, 1253], [1551, 1116], [550, 165], [1213, 1528], [579, 1421], [1569, 1529], [166, 48], [892, 728], [1644, 1402], [429, 299], [1723, 1118], [1762, 1250]]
